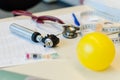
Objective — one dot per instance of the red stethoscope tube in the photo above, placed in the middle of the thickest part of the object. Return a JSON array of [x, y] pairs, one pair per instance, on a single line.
[[39, 19]]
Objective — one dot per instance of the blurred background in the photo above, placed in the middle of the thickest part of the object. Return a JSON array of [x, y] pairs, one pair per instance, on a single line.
[[6, 6]]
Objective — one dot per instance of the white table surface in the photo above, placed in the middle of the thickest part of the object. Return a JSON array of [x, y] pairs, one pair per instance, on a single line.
[[67, 66]]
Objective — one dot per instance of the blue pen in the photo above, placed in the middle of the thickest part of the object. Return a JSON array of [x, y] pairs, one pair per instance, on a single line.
[[75, 20]]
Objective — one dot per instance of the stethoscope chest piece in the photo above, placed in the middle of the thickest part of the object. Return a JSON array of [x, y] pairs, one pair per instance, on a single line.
[[70, 31]]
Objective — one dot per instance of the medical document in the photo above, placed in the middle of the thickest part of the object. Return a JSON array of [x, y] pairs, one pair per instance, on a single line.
[[14, 49]]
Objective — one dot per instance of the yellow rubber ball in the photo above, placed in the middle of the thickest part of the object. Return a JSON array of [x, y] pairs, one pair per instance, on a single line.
[[95, 51]]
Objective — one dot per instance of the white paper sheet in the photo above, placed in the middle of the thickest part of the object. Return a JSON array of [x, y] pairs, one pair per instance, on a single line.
[[13, 48]]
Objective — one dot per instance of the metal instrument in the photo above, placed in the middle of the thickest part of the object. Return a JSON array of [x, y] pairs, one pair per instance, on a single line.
[[48, 41]]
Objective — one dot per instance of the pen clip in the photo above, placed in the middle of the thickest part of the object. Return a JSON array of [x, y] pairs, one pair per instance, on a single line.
[[75, 20]]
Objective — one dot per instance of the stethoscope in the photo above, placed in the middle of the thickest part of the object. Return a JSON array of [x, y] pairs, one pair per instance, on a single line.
[[51, 40]]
